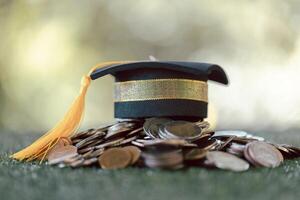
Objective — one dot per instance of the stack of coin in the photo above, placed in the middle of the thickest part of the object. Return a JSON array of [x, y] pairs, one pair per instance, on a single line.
[[163, 156], [168, 144]]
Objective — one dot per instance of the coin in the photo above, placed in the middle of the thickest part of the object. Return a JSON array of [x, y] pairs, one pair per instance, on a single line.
[[58, 155], [128, 120], [203, 139], [114, 142], [181, 129], [203, 124], [90, 139], [77, 163], [230, 133], [236, 149], [285, 151], [96, 153], [115, 158], [195, 154], [166, 143], [90, 161], [226, 142], [210, 144], [87, 154], [135, 153], [152, 125], [263, 154], [66, 141], [60, 143], [171, 159], [138, 144], [82, 134], [83, 151], [295, 151], [122, 131], [70, 160], [135, 131], [126, 141], [119, 126], [92, 143], [171, 142], [227, 161]]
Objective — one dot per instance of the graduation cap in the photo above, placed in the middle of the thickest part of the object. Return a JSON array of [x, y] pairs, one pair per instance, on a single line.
[[143, 89]]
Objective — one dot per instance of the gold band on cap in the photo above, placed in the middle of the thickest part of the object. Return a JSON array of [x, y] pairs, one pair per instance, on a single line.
[[160, 89]]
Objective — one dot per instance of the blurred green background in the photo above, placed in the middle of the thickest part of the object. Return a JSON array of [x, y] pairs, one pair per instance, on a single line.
[[46, 46]]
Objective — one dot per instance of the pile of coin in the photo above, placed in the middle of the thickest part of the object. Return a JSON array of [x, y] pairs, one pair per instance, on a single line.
[[167, 144]]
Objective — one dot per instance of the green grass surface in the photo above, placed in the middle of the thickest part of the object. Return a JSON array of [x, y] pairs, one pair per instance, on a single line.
[[32, 181]]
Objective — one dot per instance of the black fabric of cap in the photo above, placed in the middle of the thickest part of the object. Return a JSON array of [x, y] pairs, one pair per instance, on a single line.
[[146, 70]]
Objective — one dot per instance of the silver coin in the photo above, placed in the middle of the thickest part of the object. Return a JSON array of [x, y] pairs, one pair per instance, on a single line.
[[138, 144], [171, 142], [229, 133], [227, 161], [226, 142], [236, 149], [122, 131], [152, 125], [119, 126], [181, 130], [128, 120]]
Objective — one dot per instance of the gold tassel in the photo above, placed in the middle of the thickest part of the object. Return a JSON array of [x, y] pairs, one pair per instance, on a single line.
[[66, 127]]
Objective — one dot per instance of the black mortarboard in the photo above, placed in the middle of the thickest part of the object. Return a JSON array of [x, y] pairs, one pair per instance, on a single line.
[[162, 88], [142, 89]]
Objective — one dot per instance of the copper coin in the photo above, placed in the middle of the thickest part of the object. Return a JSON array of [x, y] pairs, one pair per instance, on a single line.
[[209, 144], [66, 141], [90, 139], [263, 154], [115, 158], [226, 142], [114, 142], [89, 162], [83, 134], [135, 153], [96, 153], [169, 160], [195, 154], [58, 155]]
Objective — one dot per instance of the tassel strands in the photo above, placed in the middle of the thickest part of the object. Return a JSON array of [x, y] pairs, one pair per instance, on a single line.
[[66, 127]]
